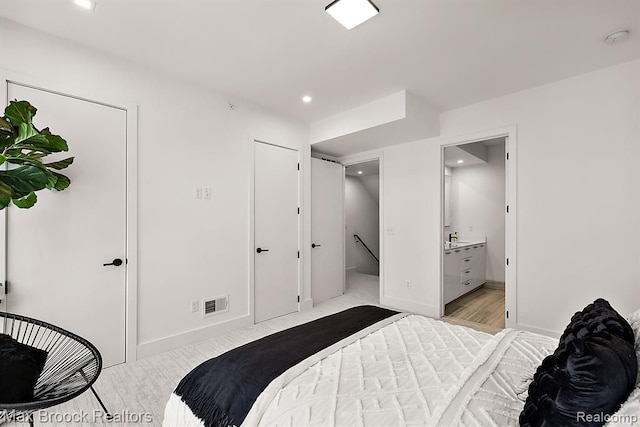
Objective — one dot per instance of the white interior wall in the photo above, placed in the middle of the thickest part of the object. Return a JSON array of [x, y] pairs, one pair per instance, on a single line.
[[478, 207], [577, 178], [576, 181], [361, 218], [187, 136]]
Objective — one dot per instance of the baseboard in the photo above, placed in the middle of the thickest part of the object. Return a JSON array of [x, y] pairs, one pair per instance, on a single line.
[[191, 337], [547, 332], [306, 304], [494, 284], [405, 305], [350, 268]]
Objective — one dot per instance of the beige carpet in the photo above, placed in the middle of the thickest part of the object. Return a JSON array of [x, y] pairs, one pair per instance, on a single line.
[[137, 392]]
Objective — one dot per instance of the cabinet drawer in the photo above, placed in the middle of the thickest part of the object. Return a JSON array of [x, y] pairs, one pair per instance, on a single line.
[[465, 262], [465, 275]]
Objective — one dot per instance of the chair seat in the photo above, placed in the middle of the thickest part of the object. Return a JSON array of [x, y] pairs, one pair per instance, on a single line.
[[73, 364]]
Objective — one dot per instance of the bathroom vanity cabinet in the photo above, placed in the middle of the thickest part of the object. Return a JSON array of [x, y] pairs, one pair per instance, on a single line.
[[465, 268]]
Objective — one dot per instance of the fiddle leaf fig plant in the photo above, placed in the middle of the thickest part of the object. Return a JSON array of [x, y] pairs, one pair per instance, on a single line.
[[23, 149]]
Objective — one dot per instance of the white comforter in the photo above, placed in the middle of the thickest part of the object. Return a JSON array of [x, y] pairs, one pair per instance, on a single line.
[[413, 371]]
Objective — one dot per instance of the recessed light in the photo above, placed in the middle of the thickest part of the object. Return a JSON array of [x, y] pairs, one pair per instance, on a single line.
[[306, 99], [460, 161], [351, 13], [617, 37], [359, 172], [86, 4]]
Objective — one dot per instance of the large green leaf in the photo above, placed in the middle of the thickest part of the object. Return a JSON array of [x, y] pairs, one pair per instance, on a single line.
[[56, 143], [25, 131], [24, 179], [62, 183], [5, 195], [5, 125], [23, 147], [60, 164], [18, 112], [26, 201]]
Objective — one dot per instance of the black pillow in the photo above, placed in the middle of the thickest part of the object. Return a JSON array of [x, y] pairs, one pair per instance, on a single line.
[[592, 372], [20, 367], [595, 318]]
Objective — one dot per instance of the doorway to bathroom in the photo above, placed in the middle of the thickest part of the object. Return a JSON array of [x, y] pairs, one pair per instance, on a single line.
[[362, 228], [474, 233]]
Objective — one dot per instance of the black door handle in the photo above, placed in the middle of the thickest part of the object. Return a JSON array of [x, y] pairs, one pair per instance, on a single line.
[[313, 245], [259, 250], [117, 262]]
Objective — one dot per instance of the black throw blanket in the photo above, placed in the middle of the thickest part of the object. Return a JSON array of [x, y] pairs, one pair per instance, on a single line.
[[222, 390]]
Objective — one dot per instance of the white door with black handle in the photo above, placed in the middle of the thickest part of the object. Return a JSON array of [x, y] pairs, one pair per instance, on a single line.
[[66, 256], [327, 230], [275, 231]]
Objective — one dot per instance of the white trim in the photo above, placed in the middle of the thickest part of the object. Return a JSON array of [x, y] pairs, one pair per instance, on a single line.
[[428, 310], [305, 212], [353, 159], [3, 215], [193, 336], [131, 237], [510, 133], [547, 332], [306, 304], [252, 229]]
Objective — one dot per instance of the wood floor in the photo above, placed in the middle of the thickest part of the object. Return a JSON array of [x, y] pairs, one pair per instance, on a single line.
[[481, 309]]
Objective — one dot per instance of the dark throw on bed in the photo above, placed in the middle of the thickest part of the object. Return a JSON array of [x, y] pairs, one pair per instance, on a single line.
[[221, 391]]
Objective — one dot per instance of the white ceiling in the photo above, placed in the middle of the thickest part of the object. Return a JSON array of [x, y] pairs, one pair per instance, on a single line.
[[455, 152], [449, 52], [367, 168]]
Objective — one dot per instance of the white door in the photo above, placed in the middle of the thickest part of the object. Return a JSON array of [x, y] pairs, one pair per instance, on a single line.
[[56, 249], [327, 230], [276, 231]]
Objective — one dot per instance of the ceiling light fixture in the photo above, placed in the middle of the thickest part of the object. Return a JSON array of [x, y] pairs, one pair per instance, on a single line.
[[359, 172], [617, 37], [351, 13], [86, 4], [306, 99], [460, 161]]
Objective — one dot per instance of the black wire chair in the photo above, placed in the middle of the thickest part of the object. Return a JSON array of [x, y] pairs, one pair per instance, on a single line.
[[73, 365]]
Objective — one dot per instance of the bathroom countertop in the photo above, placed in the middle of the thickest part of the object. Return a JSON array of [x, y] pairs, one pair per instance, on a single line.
[[463, 244]]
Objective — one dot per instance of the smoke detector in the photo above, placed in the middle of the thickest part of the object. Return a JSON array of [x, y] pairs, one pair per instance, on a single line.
[[617, 37]]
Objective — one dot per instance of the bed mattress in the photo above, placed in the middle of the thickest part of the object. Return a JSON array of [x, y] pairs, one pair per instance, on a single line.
[[404, 370]]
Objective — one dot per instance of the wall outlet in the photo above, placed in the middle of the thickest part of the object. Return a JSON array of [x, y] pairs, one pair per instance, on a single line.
[[470, 228], [206, 192], [195, 306], [408, 284], [197, 192]]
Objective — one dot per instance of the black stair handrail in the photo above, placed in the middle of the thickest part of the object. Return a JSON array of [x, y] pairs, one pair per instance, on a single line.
[[359, 240]]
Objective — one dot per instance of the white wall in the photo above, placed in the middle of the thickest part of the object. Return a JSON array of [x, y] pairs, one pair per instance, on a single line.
[[478, 201], [577, 178], [188, 249], [361, 218], [578, 148]]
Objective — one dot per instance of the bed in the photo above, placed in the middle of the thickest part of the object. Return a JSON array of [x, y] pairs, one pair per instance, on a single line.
[[369, 366]]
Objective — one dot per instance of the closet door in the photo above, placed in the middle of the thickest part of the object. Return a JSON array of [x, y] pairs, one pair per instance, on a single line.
[[327, 230], [56, 250], [276, 231]]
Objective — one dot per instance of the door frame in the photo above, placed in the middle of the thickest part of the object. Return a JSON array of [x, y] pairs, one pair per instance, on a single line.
[[355, 159], [511, 287], [252, 226], [131, 178]]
